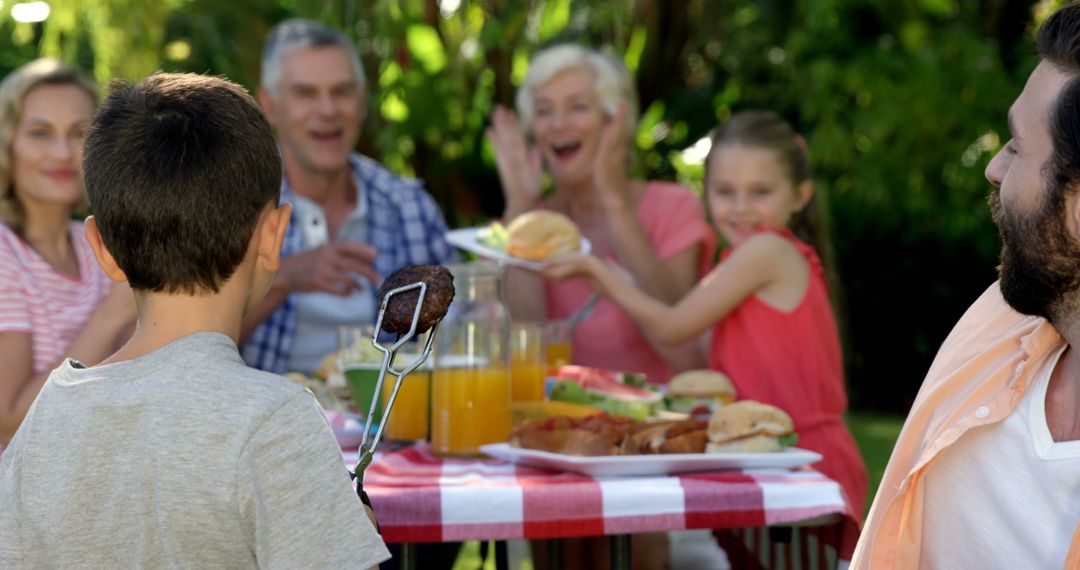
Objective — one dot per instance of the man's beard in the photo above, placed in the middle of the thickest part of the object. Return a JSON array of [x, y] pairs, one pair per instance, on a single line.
[[1040, 260]]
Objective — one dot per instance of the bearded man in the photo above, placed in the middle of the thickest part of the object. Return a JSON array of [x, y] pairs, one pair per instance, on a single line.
[[986, 473]]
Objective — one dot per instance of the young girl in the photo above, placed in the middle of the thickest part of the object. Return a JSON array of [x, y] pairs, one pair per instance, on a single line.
[[767, 302]]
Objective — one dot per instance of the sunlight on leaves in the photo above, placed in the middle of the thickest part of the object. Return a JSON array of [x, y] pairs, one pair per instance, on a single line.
[[636, 46], [940, 7], [178, 50], [30, 11], [426, 47], [746, 15], [390, 75], [554, 18], [23, 34], [987, 143], [650, 125], [696, 153], [393, 108], [519, 67], [913, 35]]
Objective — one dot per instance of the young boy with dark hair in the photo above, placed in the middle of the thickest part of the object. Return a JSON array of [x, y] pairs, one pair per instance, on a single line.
[[171, 452]]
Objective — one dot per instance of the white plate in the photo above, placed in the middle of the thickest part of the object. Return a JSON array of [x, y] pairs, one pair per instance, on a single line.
[[466, 238], [607, 466]]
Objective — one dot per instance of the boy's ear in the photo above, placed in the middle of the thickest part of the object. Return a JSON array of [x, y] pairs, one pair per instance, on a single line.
[[104, 257], [266, 101], [803, 194], [271, 234]]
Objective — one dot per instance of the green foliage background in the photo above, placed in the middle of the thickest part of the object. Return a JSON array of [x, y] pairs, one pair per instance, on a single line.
[[902, 102]]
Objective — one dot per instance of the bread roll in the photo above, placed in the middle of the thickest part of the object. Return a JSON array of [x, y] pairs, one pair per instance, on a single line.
[[747, 426], [540, 234], [753, 444], [703, 383]]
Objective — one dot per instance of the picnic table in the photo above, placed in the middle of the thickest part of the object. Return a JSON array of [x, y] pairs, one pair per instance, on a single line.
[[420, 497]]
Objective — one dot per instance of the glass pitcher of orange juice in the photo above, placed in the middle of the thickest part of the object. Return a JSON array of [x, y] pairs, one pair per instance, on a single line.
[[470, 386]]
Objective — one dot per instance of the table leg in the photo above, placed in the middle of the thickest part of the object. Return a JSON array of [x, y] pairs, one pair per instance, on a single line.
[[554, 554], [502, 559], [408, 556], [620, 552]]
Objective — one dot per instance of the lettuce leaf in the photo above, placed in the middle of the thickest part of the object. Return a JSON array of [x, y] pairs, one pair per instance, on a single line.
[[635, 380], [493, 236], [568, 391], [788, 440]]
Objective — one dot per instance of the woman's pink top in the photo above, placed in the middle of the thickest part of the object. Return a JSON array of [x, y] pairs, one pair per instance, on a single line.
[[674, 220], [792, 360], [50, 306]]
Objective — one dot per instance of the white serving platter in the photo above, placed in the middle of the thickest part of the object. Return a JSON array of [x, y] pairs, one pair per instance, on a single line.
[[642, 465]]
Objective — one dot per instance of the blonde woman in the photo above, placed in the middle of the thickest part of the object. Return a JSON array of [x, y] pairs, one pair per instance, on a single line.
[[576, 110], [54, 299]]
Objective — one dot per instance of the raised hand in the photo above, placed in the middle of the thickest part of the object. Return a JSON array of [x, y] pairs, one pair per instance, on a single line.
[[604, 275], [572, 265], [519, 165], [331, 268], [610, 164]]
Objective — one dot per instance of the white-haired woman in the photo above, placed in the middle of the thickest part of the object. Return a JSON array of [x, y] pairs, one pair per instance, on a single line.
[[576, 111], [54, 299]]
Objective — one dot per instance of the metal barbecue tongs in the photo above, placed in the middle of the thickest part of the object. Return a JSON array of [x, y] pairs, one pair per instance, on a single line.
[[367, 453]]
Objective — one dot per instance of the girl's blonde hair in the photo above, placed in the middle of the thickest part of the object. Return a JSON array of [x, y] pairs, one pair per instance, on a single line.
[[13, 90], [614, 84]]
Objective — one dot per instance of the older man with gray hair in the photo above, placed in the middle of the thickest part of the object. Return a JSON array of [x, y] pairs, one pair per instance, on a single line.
[[353, 221]]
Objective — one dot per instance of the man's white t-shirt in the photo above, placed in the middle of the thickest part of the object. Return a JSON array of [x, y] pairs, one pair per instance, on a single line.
[[319, 315], [1004, 495]]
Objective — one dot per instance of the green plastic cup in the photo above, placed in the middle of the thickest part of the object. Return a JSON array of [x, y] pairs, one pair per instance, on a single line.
[[361, 379]]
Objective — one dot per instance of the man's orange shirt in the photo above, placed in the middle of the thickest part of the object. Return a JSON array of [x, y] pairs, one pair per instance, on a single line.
[[977, 378]]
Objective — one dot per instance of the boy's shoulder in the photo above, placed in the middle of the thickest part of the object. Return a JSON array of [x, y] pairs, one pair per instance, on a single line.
[[242, 387], [204, 374]]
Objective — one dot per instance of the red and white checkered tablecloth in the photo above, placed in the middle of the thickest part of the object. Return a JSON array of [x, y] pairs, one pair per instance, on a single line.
[[419, 497]]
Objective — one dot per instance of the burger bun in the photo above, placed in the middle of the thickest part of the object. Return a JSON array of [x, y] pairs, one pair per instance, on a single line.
[[754, 444], [540, 234], [748, 426], [703, 383]]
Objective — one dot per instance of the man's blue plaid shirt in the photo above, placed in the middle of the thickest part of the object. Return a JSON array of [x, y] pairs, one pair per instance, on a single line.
[[405, 226]]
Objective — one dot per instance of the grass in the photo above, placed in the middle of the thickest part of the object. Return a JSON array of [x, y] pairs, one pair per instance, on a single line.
[[874, 433], [469, 558]]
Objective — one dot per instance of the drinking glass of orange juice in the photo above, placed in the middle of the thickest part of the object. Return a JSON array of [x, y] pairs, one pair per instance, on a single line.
[[558, 338], [527, 362], [470, 386], [408, 419]]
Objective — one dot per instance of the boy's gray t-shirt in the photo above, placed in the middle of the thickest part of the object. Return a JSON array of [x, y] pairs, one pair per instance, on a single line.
[[182, 458]]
